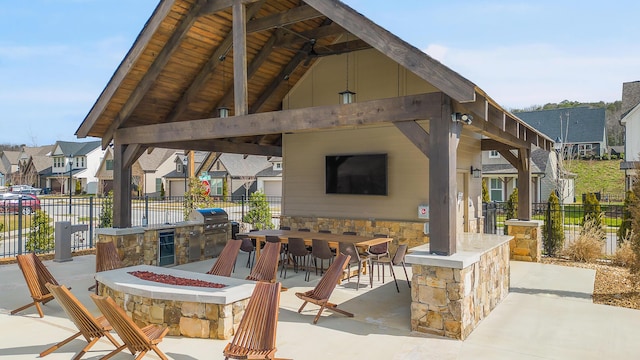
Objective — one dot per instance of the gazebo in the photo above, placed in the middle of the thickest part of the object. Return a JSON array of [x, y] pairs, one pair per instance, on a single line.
[[317, 83]]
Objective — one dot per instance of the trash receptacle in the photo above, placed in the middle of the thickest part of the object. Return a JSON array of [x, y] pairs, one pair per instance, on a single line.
[[235, 229]]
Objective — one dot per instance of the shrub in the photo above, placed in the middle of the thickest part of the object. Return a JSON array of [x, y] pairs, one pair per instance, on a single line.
[[512, 208], [162, 192], [588, 246], [592, 209], [40, 237], [624, 255], [485, 192], [625, 227], [553, 229], [195, 198], [106, 213], [259, 214], [605, 157]]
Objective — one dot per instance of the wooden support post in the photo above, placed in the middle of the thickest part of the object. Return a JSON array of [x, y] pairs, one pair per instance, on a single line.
[[524, 184], [240, 90], [445, 136], [121, 188]]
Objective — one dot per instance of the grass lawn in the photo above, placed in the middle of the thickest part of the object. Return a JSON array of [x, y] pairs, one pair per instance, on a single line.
[[9, 222], [602, 176]]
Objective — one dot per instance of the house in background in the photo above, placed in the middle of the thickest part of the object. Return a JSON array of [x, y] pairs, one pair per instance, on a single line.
[[84, 157], [270, 179], [9, 165], [501, 177], [238, 172], [582, 130], [34, 166], [630, 119], [147, 172]]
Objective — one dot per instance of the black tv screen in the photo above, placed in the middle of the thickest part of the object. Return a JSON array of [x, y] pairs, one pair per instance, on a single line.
[[356, 174]]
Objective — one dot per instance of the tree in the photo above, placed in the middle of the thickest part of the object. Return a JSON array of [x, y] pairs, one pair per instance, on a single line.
[[106, 213], [553, 229], [485, 192], [162, 191], [196, 197], [225, 190], [78, 190], [40, 237], [624, 231], [592, 208], [259, 214], [512, 208]]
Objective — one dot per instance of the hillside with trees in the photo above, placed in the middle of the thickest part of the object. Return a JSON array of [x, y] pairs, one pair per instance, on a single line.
[[613, 111]]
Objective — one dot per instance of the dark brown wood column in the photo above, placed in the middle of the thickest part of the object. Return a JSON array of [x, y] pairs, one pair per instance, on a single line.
[[240, 59], [121, 188], [524, 184], [445, 135]]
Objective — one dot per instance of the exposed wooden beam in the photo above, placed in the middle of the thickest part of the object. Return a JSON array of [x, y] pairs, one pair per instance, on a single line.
[[152, 73], [416, 133], [296, 14], [158, 16], [290, 38], [512, 159], [412, 107], [412, 58], [132, 153], [490, 144], [240, 86], [213, 6], [207, 69], [223, 146]]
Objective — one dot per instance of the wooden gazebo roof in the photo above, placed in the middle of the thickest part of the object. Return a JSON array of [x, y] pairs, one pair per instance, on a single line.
[[181, 69]]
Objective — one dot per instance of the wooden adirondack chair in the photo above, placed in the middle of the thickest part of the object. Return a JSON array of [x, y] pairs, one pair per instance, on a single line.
[[321, 293], [135, 339], [266, 267], [256, 334], [107, 258], [36, 275], [90, 327], [227, 259]]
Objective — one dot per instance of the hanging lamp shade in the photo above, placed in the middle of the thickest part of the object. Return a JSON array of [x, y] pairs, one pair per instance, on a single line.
[[347, 97], [223, 112]]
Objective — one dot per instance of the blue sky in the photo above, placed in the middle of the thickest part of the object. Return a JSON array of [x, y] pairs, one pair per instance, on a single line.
[[56, 56]]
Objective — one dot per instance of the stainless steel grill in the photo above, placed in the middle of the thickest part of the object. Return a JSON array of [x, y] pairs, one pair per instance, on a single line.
[[215, 233]]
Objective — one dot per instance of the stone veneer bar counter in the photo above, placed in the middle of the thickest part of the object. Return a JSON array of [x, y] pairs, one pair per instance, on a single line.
[[452, 294], [187, 310]]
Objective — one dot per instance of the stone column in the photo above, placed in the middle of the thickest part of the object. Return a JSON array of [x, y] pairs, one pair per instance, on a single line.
[[527, 239]]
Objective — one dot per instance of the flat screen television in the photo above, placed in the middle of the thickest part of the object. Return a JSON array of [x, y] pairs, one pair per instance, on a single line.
[[356, 174]]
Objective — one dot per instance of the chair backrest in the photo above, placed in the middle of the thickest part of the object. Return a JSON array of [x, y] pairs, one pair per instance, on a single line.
[[227, 259], [398, 257], [320, 249], [304, 230], [246, 244], [129, 332], [266, 266], [331, 278], [285, 227], [272, 238], [349, 249], [35, 274], [297, 247], [257, 328], [107, 257], [379, 248], [349, 233], [76, 312], [324, 231]]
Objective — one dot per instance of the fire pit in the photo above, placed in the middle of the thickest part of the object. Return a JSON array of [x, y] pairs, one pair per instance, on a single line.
[[192, 311]]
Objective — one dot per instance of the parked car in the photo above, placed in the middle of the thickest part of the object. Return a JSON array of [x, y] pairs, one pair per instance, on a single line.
[[25, 189], [10, 203]]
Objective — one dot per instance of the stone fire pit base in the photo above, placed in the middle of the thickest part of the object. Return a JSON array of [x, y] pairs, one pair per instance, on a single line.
[[188, 311]]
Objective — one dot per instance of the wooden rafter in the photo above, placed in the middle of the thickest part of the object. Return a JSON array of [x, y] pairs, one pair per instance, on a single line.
[[412, 107], [240, 84], [225, 147], [416, 134]]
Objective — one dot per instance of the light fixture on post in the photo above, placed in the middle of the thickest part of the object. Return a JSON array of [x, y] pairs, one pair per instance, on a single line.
[[477, 173], [223, 111], [557, 146], [70, 181], [347, 96], [463, 118]]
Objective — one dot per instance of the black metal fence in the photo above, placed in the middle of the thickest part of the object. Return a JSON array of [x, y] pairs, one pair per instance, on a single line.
[[573, 214], [28, 226]]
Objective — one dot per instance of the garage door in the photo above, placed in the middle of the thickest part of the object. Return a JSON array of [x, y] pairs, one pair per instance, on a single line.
[[273, 188], [177, 188]]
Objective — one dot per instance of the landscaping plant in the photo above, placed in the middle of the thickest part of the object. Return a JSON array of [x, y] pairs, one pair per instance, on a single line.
[[624, 231], [106, 213], [553, 229], [259, 214], [196, 197], [588, 246], [485, 192], [40, 237], [512, 208]]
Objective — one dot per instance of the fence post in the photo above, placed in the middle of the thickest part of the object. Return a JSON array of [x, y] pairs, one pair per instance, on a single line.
[[549, 226], [242, 212], [146, 211], [90, 222], [20, 226]]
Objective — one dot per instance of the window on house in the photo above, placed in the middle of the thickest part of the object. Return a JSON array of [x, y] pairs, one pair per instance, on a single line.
[[216, 187], [494, 154], [585, 149], [495, 190], [158, 185], [109, 164], [179, 167]]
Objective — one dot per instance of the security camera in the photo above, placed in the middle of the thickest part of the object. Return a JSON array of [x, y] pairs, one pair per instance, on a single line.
[[464, 118]]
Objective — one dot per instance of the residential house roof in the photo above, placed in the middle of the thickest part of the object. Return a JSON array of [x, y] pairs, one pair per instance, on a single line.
[[539, 162], [238, 165], [269, 172], [572, 125], [69, 148], [151, 162], [12, 156], [41, 163]]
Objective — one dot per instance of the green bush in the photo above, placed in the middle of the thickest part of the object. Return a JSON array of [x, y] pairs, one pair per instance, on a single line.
[[259, 214], [512, 208], [553, 229], [485, 192], [106, 213], [40, 238], [624, 231], [196, 197], [592, 209]]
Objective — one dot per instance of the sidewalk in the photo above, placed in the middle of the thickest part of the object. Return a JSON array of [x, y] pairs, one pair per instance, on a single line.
[[547, 315]]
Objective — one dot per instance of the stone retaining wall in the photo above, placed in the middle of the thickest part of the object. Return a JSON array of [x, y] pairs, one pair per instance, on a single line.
[[190, 319], [451, 302], [527, 239]]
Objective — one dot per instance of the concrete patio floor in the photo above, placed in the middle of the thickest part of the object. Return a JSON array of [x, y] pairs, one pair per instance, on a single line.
[[548, 314]]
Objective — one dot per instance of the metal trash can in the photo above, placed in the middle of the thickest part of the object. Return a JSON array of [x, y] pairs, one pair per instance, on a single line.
[[235, 229], [215, 232]]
